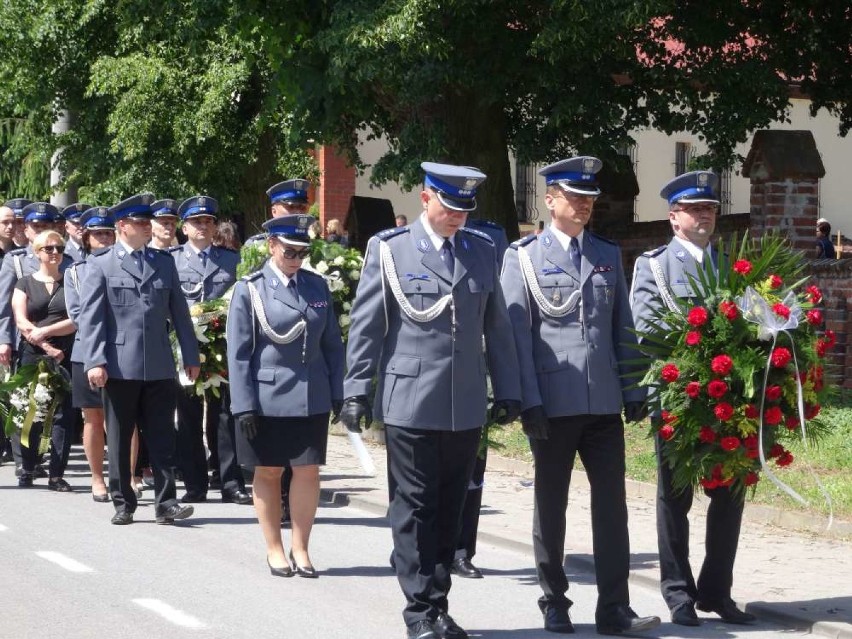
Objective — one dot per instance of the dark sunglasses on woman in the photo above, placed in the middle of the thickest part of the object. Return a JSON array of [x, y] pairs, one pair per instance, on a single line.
[[53, 249]]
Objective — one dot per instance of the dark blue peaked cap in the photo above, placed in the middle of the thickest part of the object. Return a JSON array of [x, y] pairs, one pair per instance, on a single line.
[[695, 186], [164, 208], [42, 212], [455, 186], [96, 218], [17, 205], [73, 211], [292, 229], [575, 175], [289, 191], [137, 206], [197, 206]]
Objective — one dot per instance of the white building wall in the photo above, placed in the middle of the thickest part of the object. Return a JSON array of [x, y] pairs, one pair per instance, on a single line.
[[655, 165]]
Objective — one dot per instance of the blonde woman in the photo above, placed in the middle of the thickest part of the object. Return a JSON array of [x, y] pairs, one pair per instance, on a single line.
[[42, 319]]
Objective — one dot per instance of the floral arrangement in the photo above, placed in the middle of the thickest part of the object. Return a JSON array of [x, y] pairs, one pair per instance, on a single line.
[[340, 266], [208, 320], [32, 395], [739, 367]]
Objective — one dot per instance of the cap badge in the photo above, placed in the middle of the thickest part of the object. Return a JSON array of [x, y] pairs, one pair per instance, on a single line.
[[41, 208], [588, 165], [703, 179], [202, 201], [469, 183], [303, 222]]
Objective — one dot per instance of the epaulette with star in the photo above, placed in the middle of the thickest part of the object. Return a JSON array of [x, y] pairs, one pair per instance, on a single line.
[[389, 233], [527, 239], [655, 252], [18, 251], [479, 234], [251, 276]]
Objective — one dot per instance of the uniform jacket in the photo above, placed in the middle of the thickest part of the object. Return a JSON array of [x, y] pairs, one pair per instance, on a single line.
[[73, 284], [572, 365], [74, 251], [27, 261], [493, 230], [198, 282], [124, 315], [277, 379], [429, 375]]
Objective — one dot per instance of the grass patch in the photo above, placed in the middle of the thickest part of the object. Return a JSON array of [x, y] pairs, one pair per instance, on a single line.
[[831, 462]]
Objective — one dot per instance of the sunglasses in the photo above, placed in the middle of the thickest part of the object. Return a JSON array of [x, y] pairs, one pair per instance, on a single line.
[[53, 249], [293, 254]]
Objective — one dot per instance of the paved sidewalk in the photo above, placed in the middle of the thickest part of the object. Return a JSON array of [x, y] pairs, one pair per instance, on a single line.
[[798, 579]]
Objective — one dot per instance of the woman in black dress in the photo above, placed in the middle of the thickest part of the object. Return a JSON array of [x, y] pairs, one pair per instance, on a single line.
[[285, 367], [42, 319], [98, 233]]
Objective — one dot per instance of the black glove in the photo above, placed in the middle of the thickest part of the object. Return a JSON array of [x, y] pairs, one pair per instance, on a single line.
[[336, 405], [248, 424], [505, 411], [535, 423], [354, 408], [635, 411]]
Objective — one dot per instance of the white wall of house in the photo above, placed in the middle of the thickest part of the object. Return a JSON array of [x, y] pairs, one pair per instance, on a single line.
[[655, 165]]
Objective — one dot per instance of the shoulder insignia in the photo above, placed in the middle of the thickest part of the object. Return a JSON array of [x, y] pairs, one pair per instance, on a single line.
[[603, 239], [171, 249], [389, 233], [251, 276], [161, 251], [479, 234], [76, 264], [655, 252], [486, 223], [101, 251], [527, 239], [18, 251], [308, 273]]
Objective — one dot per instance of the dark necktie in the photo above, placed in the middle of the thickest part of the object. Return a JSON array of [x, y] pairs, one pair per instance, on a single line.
[[447, 257], [291, 287], [574, 250], [203, 256], [137, 257]]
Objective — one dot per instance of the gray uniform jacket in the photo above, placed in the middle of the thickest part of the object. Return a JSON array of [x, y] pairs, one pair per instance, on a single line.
[[493, 230], [574, 364], [124, 315], [16, 264], [73, 284], [431, 375], [74, 251], [296, 379], [198, 282]]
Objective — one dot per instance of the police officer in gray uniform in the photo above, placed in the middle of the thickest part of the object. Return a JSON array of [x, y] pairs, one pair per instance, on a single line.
[[164, 224], [462, 565], [428, 294], [289, 197], [567, 297], [129, 296], [74, 230], [206, 272], [38, 217], [658, 275]]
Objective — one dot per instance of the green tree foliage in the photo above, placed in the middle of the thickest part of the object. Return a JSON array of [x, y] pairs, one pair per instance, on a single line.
[[164, 96], [467, 81]]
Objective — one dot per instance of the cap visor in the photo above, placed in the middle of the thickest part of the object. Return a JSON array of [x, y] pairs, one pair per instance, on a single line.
[[585, 189], [291, 242], [456, 204], [697, 200]]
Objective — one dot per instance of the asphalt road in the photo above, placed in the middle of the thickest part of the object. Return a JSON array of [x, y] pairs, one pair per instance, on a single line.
[[67, 573]]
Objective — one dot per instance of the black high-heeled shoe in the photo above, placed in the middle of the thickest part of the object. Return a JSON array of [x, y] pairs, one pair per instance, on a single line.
[[286, 571], [309, 572]]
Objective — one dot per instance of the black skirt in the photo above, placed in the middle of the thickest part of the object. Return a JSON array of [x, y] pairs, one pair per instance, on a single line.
[[285, 441], [82, 395]]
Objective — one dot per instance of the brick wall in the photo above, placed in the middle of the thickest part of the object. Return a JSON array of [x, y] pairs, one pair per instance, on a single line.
[[337, 185], [790, 206]]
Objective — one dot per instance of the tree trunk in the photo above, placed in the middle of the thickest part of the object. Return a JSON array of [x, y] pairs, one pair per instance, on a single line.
[[251, 198], [476, 136]]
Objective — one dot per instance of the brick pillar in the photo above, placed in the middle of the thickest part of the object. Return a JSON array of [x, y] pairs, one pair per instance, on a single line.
[[785, 169], [337, 185]]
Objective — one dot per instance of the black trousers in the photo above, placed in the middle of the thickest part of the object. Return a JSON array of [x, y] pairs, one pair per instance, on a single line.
[[599, 440], [225, 458], [430, 470], [190, 453], [472, 505], [150, 405], [722, 536]]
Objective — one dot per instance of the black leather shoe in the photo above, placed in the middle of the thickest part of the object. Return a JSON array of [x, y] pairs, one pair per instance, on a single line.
[[421, 630], [308, 572], [622, 619], [173, 512], [193, 498], [557, 620], [25, 480], [446, 628], [462, 567], [122, 518], [728, 612], [286, 571], [39, 472], [236, 497], [59, 485], [684, 615]]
